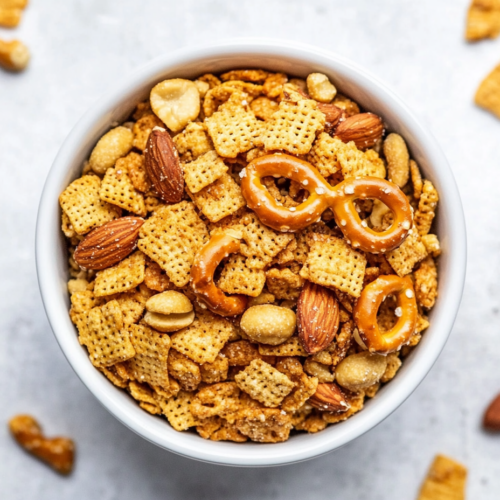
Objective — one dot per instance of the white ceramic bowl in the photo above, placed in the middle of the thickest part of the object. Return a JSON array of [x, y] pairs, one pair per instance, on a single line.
[[298, 60]]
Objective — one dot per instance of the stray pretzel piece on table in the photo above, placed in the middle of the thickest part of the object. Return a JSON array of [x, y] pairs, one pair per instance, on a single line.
[[340, 199]]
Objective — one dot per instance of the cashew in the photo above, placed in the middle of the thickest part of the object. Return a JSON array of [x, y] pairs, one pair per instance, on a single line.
[[14, 55], [176, 102], [268, 324], [398, 159], [111, 147], [361, 370], [169, 311], [320, 88]]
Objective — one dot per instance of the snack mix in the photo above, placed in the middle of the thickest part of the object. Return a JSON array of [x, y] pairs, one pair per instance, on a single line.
[[250, 254]]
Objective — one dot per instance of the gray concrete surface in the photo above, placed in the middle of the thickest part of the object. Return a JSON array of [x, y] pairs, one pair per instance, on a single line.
[[81, 48]]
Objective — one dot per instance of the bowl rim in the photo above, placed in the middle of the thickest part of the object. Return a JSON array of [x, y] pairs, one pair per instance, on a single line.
[[248, 454]]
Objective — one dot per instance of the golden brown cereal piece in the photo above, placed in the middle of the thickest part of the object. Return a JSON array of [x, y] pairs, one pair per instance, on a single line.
[[151, 353], [66, 226], [155, 278], [343, 102], [221, 94], [273, 85], [106, 339], [416, 180], [318, 370], [193, 142], [293, 128], [117, 189], [355, 400], [228, 432], [221, 400], [212, 80], [111, 146], [426, 283], [204, 338], [212, 373], [145, 396], [132, 305], [264, 108], [264, 425], [233, 130], [398, 159], [114, 377], [404, 258], [445, 480], [426, 208], [171, 237], [10, 17], [142, 109], [178, 413], [393, 365], [220, 199], [371, 392], [320, 88], [432, 245], [202, 172], [152, 202], [284, 284], [14, 55], [360, 371], [208, 426], [342, 344], [125, 276], [245, 75], [333, 263], [264, 383], [323, 154], [136, 171], [483, 20], [312, 423], [488, 93], [355, 163], [240, 353], [81, 203], [58, 452], [260, 244], [236, 277], [185, 371], [263, 298], [176, 102], [291, 347], [142, 129]]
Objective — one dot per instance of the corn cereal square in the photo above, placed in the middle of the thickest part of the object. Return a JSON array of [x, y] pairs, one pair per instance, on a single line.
[[445, 480], [143, 127], [284, 284], [426, 208], [193, 142], [483, 20], [203, 171], [488, 93], [411, 251], [178, 411], [236, 277], [291, 347], [81, 203], [333, 263], [264, 425]]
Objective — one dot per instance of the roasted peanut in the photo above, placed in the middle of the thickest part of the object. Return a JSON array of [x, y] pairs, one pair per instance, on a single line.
[[111, 147], [398, 159], [320, 88], [58, 452], [14, 55], [176, 102], [169, 311], [268, 324], [361, 370]]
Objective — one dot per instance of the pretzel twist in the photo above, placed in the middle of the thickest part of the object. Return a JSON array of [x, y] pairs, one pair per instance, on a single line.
[[365, 313], [202, 276], [339, 198]]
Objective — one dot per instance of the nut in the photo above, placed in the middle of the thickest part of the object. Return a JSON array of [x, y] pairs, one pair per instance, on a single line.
[[57, 452], [398, 159], [109, 244], [320, 371], [491, 419], [169, 311], [268, 324], [175, 102], [317, 317], [163, 167], [320, 88], [14, 55], [364, 129], [111, 147], [361, 370], [329, 397], [333, 115]]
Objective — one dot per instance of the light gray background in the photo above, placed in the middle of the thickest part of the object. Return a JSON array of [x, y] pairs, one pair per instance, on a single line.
[[81, 48]]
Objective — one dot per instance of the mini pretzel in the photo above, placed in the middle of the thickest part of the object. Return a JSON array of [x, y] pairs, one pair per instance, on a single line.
[[339, 198], [202, 275], [365, 313]]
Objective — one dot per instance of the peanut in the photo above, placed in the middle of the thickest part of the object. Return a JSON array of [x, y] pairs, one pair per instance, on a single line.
[[360, 371], [169, 311], [320, 88], [175, 102], [57, 452], [319, 370], [398, 159], [268, 324], [112, 146], [14, 55]]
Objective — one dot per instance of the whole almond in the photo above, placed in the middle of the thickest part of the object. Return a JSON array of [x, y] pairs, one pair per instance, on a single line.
[[163, 166], [329, 397], [109, 244], [334, 115], [317, 317], [365, 129], [491, 420]]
